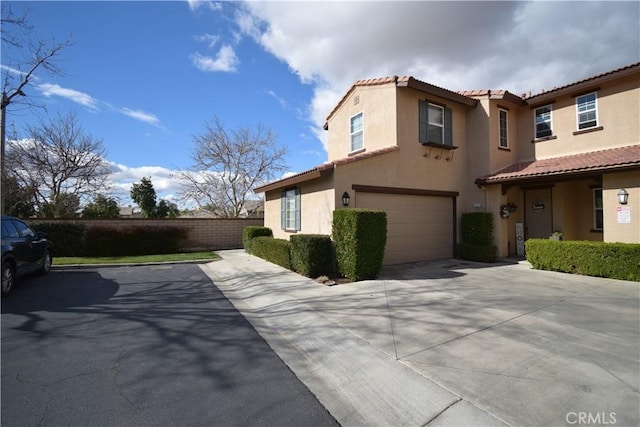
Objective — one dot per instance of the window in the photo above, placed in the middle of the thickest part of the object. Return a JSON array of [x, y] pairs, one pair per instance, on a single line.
[[435, 124], [290, 210], [23, 229], [586, 107], [356, 131], [504, 129], [598, 219], [543, 122], [9, 230]]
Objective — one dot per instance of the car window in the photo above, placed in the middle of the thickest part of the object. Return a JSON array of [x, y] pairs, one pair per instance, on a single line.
[[24, 229], [9, 230]]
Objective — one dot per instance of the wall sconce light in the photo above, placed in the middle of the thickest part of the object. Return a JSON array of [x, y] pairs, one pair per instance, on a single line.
[[623, 196], [345, 199]]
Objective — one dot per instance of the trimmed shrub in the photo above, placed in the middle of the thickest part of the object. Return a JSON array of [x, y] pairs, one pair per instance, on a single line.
[[601, 259], [360, 236], [481, 253], [273, 250], [476, 237], [250, 233], [67, 238], [476, 228], [312, 254], [109, 241]]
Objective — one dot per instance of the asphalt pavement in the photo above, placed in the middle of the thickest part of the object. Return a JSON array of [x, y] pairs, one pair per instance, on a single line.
[[141, 346]]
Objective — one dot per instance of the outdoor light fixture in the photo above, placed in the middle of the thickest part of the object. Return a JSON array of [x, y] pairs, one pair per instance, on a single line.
[[345, 199], [623, 196]]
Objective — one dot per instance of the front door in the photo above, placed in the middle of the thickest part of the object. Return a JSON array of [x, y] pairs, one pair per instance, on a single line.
[[538, 214]]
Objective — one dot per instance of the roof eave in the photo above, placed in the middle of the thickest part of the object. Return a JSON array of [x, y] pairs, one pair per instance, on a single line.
[[509, 180], [584, 85], [509, 97], [437, 91], [315, 173]]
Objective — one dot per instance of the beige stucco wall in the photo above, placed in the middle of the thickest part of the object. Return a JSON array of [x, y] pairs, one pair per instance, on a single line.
[[414, 165], [391, 118], [316, 208], [573, 210], [500, 158], [613, 230], [378, 105], [618, 107]]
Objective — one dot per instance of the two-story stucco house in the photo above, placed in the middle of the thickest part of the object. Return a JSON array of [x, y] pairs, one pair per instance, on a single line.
[[555, 161]]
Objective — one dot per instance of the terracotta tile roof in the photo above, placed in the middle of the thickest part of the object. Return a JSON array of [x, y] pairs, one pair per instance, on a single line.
[[629, 69], [482, 92], [322, 170], [365, 155], [614, 158], [404, 81]]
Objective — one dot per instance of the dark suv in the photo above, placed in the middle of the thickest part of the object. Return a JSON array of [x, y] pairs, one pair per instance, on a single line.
[[23, 251]]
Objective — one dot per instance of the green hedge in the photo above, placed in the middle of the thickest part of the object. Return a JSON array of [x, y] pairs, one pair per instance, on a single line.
[[612, 260], [312, 254], [109, 241], [251, 232], [67, 238], [476, 237], [360, 236], [481, 253], [273, 250]]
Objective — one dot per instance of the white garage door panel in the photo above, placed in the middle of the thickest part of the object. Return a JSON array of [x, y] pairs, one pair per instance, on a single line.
[[419, 228]]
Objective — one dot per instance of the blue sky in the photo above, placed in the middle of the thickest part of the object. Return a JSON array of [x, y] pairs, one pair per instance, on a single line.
[[145, 76]]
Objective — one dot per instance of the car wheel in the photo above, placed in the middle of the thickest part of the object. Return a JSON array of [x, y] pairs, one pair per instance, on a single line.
[[46, 263], [8, 278]]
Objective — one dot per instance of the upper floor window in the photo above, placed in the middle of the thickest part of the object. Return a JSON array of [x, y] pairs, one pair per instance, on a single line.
[[598, 217], [290, 210], [543, 121], [435, 124], [356, 130], [587, 109], [504, 129]]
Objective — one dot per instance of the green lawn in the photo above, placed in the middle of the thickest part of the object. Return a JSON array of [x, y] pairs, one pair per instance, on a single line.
[[199, 256]]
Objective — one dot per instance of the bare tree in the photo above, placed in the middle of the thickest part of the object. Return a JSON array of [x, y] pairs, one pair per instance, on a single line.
[[228, 165], [19, 73], [58, 159]]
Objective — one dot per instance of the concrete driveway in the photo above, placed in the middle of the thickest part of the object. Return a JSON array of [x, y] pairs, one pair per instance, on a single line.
[[485, 345]]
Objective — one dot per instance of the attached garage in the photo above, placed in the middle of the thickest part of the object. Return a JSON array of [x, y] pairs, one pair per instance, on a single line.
[[420, 223]]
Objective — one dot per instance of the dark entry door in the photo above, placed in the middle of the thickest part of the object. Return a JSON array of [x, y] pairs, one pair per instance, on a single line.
[[539, 213]]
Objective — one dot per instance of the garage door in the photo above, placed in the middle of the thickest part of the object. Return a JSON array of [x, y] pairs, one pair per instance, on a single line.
[[419, 228]]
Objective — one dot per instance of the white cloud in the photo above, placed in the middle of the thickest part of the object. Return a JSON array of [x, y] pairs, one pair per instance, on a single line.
[[15, 71], [141, 115], [518, 46], [48, 89], [210, 39], [163, 179], [197, 4], [288, 174], [281, 100], [226, 60]]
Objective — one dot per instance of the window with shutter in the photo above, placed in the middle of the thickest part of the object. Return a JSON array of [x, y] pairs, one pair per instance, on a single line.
[[436, 124]]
